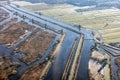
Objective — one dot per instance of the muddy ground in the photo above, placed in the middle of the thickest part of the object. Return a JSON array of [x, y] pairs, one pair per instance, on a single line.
[[34, 46]]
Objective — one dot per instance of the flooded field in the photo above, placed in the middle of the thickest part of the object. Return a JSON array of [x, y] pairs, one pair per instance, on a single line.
[[23, 47], [13, 31], [42, 46], [44, 57], [36, 45], [34, 72], [7, 67], [3, 14]]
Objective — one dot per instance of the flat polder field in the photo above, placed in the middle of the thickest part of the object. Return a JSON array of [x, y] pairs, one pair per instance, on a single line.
[[105, 20]]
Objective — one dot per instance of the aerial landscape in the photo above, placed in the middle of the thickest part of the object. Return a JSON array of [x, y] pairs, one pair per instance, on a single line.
[[59, 40]]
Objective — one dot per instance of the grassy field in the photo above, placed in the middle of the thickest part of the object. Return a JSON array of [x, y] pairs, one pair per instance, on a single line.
[[107, 21]]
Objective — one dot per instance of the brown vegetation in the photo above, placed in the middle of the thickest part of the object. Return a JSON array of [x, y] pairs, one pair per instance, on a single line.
[[11, 22], [7, 67], [3, 14], [14, 31], [33, 73], [36, 45]]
